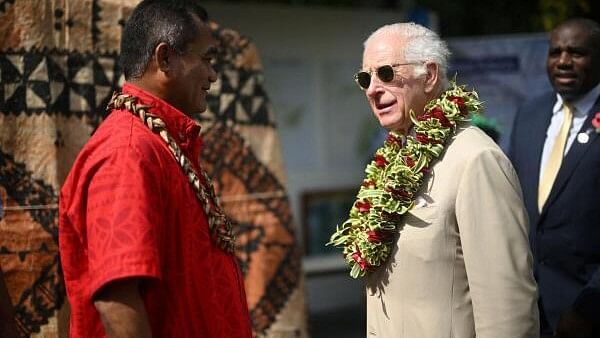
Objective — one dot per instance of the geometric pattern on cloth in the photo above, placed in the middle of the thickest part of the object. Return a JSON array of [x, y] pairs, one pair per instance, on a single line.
[[82, 25], [238, 95], [265, 232], [25, 191], [82, 84], [30, 251], [241, 98], [57, 82], [36, 79]]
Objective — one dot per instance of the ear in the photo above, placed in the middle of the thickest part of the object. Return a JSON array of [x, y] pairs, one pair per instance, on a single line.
[[162, 57], [431, 77]]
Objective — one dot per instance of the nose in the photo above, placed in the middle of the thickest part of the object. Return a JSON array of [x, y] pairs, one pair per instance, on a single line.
[[565, 59], [374, 87], [212, 74]]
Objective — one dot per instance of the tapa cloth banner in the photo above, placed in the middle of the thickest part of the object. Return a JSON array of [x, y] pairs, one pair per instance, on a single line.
[[58, 69]]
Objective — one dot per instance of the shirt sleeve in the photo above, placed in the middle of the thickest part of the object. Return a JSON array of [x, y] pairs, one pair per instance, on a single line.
[[124, 218], [493, 231]]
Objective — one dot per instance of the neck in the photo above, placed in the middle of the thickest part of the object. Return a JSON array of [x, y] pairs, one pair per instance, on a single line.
[[404, 130], [433, 95], [148, 86], [158, 88]]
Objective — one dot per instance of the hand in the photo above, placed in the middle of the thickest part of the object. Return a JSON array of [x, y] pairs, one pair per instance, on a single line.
[[573, 325]]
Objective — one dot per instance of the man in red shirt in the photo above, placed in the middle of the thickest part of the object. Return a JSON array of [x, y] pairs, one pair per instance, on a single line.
[[145, 248]]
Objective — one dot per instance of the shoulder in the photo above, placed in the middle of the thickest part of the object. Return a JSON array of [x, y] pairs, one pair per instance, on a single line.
[[120, 141], [470, 141], [531, 119], [548, 96], [471, 145], [122, 133], [478, 162], [536, 103]]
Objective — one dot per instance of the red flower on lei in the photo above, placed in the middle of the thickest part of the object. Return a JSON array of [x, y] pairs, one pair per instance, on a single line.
[[358, 258], [378, 236], [460, 102], [438, 113], [380, 161], [394, 177], [363, 206]]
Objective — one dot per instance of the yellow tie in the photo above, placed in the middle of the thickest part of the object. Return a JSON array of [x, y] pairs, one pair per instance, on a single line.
[[556, 156]]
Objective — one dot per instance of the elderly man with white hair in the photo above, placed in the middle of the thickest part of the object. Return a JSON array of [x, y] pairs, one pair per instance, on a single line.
[[438, 228]]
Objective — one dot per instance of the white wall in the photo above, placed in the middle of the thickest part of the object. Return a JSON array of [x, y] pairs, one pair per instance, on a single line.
[[309, 57]]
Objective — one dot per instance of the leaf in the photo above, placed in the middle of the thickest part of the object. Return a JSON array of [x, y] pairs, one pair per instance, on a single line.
[[397, 176], [356, 271]]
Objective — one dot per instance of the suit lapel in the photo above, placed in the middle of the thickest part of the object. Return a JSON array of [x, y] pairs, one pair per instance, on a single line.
[[572, 160], [536, 135]]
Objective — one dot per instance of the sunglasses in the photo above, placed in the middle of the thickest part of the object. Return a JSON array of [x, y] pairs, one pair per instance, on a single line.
[[384, 73]]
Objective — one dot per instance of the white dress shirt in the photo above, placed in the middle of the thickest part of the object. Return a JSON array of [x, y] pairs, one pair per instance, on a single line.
[[581, 108]]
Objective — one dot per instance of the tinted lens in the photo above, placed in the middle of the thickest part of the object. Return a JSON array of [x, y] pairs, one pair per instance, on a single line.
[[385, 73], [363, 79]]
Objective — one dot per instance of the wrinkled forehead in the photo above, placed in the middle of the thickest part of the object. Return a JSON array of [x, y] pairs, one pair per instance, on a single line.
[[385, 49]]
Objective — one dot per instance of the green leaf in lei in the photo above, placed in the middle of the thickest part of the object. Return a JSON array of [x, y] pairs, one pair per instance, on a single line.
[[395, 176]]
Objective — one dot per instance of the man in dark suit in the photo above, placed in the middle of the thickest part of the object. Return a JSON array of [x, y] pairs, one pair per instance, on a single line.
[[556, 152]]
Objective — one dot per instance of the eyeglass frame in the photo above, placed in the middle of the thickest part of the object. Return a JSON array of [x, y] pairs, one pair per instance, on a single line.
[[371, 71]]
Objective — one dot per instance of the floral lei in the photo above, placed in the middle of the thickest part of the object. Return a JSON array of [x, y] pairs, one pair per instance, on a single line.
[[394, 177]]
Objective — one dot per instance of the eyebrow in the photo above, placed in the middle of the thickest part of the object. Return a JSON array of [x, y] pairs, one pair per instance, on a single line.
[[569, 49]]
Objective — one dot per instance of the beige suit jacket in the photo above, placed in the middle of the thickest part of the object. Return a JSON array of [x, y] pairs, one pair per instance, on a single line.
[[461, 266]]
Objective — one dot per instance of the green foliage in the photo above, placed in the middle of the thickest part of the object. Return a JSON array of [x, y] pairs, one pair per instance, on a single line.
[[469, 17], [553, 12], [394, 178]]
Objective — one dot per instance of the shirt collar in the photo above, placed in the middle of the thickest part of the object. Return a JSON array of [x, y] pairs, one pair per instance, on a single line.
[[583, 105], [181, 127]]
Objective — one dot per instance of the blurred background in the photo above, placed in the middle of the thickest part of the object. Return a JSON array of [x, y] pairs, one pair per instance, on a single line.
[[306, 54], [311, 48]]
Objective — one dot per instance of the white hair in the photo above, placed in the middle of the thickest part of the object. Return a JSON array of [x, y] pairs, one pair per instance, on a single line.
[[423, 45]]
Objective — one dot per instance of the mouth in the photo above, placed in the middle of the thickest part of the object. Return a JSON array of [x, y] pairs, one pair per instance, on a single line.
[[565, 78], [384, 108]]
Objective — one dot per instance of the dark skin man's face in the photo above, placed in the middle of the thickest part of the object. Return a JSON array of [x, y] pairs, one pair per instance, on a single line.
[[191, 73], [573, 64]]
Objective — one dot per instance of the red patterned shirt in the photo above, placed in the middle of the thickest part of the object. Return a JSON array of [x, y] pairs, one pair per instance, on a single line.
[[127, 210]]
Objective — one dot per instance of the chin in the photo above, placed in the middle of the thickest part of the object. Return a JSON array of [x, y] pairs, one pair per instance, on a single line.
[[568, 93], [393, 125], [200, 108]]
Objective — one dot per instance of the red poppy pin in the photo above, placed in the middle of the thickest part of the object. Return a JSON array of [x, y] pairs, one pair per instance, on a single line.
[[596, 122]]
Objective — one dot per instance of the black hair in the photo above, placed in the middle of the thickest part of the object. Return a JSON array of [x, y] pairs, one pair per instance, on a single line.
[[153, 22], [590, 25]]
